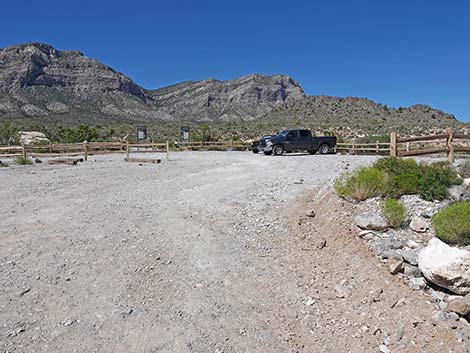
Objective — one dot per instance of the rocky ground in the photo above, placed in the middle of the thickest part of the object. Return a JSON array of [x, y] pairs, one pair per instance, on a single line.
[[210, 252]]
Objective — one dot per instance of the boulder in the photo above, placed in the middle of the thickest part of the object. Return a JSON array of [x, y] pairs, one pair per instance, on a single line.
[[411, 271], [417, 283], [410, 256], [446, 266], [460, 306], [32, 137], [371, 221], [386, 247], [419, 224], [459, 193], [395, 266]]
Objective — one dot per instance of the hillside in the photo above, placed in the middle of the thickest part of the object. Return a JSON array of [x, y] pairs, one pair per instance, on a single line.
[[353, 116], [42, 85]]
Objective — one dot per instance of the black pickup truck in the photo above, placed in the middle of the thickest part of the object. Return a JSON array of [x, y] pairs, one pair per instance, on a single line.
[[299, 140], [260, 145]]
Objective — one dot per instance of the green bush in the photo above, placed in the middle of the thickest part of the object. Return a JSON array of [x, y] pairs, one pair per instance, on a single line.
[[361, 184], [395, 177], [404, 184], [436, 179], [394, 166], [452, 224], [23, 161], [3, 164], [394, 212], [464, 169]]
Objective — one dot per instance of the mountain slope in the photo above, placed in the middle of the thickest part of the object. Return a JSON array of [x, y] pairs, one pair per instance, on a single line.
[[352, 113], [42, 83], [241, 99]]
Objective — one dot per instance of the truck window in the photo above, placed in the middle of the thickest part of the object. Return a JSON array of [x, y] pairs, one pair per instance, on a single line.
[[292, 134], [304, 133]]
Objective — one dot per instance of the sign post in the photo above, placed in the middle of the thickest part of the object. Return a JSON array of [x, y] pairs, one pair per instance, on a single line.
[[185, 134], [141, 132]]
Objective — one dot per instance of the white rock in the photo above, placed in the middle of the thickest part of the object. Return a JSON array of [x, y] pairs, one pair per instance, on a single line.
[[32, 137], [419, 224], [371, 221], [446, 266]]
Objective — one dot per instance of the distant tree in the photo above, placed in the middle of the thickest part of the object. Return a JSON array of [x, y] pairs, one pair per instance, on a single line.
[[78, 134], [8, 133]]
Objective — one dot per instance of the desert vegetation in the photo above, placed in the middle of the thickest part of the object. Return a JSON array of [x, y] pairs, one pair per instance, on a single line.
[[452, 224], [394, 212], [394, 177]]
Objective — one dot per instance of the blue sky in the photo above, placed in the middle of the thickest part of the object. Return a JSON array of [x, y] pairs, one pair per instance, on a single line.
[[395, 52]]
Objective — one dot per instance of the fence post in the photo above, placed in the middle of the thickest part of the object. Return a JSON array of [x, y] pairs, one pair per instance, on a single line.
[[377, 147], [50, 147], [127, 148], [407, 147], [353, 148], [85, 149], [450, 145], [393, 144], [23, 150], [167, 150]]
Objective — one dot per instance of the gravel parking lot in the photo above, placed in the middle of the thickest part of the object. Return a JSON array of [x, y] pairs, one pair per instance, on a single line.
[[197, 254]]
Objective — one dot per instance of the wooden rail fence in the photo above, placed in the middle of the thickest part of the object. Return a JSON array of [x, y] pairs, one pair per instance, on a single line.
[[449, 143], [86, 149], [228, 145]]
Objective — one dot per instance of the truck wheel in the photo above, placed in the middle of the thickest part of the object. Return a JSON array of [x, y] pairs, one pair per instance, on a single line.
[[324, 148], [255, 150], [277, 150], [268, 153]]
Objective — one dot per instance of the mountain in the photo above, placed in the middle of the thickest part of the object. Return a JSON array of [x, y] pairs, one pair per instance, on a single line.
[[356, 114], [39, 82], [242, 99]]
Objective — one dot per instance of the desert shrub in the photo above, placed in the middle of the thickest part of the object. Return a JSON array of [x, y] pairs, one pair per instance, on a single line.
[[394, 212], [452, 224], [404, 184], [37, 160], [436, 179], [361, 184], [3, 164], [464, 169], [23, 161], [395, 166]]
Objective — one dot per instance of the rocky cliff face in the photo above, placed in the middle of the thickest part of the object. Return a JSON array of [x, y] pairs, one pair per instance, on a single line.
[[241, 99], [40, 82]]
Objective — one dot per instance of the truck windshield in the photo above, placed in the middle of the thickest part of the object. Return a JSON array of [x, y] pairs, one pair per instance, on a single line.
[[283, 133]]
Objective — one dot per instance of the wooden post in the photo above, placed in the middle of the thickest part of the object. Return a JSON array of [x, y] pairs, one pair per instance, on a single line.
[[393, 144], [23, 150], [168, 150], [407, 147], [127, 148], [377, 147], [85, 149], [450, 145], [353, 148], [50, 147]]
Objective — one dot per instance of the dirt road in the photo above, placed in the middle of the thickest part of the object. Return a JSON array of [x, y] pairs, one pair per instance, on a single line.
[[210, 252]]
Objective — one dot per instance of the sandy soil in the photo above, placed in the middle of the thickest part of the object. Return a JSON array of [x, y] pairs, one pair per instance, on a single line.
[[209, 252]]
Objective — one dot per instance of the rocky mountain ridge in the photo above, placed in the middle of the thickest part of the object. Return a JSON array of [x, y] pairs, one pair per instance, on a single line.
[[41, 84], [38, 81]]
